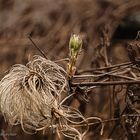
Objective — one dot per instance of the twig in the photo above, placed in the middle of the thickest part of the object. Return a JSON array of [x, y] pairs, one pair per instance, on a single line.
[[59, 60], [37, 47], [104, 68], [118, 76], [105, 83], [101, 75]]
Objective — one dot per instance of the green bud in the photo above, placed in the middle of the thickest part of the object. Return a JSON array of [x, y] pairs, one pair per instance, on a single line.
[[75, 45]]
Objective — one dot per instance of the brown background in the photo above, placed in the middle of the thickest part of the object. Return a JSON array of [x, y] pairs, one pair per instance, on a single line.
[[51, 23]]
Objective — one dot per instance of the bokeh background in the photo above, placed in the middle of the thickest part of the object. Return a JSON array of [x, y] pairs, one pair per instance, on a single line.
[[51, 23]]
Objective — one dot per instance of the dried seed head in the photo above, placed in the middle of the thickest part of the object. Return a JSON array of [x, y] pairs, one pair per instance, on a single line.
[[31, 96], [29, 93]]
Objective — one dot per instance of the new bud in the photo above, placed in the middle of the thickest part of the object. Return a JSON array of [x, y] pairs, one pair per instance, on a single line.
[[75, 45]]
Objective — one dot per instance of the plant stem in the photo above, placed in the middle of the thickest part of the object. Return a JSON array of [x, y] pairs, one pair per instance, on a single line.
[[104, 68], [105, 83]]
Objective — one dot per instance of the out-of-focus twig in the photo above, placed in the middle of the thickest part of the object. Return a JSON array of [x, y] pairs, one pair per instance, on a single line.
[[30, 38]]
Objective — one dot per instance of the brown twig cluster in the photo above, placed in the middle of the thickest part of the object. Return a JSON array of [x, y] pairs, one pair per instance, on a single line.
[[120, 78]]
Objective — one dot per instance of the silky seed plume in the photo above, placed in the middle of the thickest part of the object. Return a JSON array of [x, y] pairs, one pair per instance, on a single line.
[[28, 93]]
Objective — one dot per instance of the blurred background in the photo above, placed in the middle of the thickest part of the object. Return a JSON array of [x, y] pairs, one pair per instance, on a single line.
[[51, 23]]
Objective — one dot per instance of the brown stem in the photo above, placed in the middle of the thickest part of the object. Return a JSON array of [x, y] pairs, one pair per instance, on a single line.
[[104, 68], [41, 51], [105, 83]]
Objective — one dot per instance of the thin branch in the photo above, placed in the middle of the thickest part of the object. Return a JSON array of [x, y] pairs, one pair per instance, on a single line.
[[60, 60], [105, 74], [118, 76], [30, 38], [104, 68], [105, 83]]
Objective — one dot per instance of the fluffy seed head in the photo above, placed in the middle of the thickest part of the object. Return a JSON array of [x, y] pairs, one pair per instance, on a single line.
[[29, 93]]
